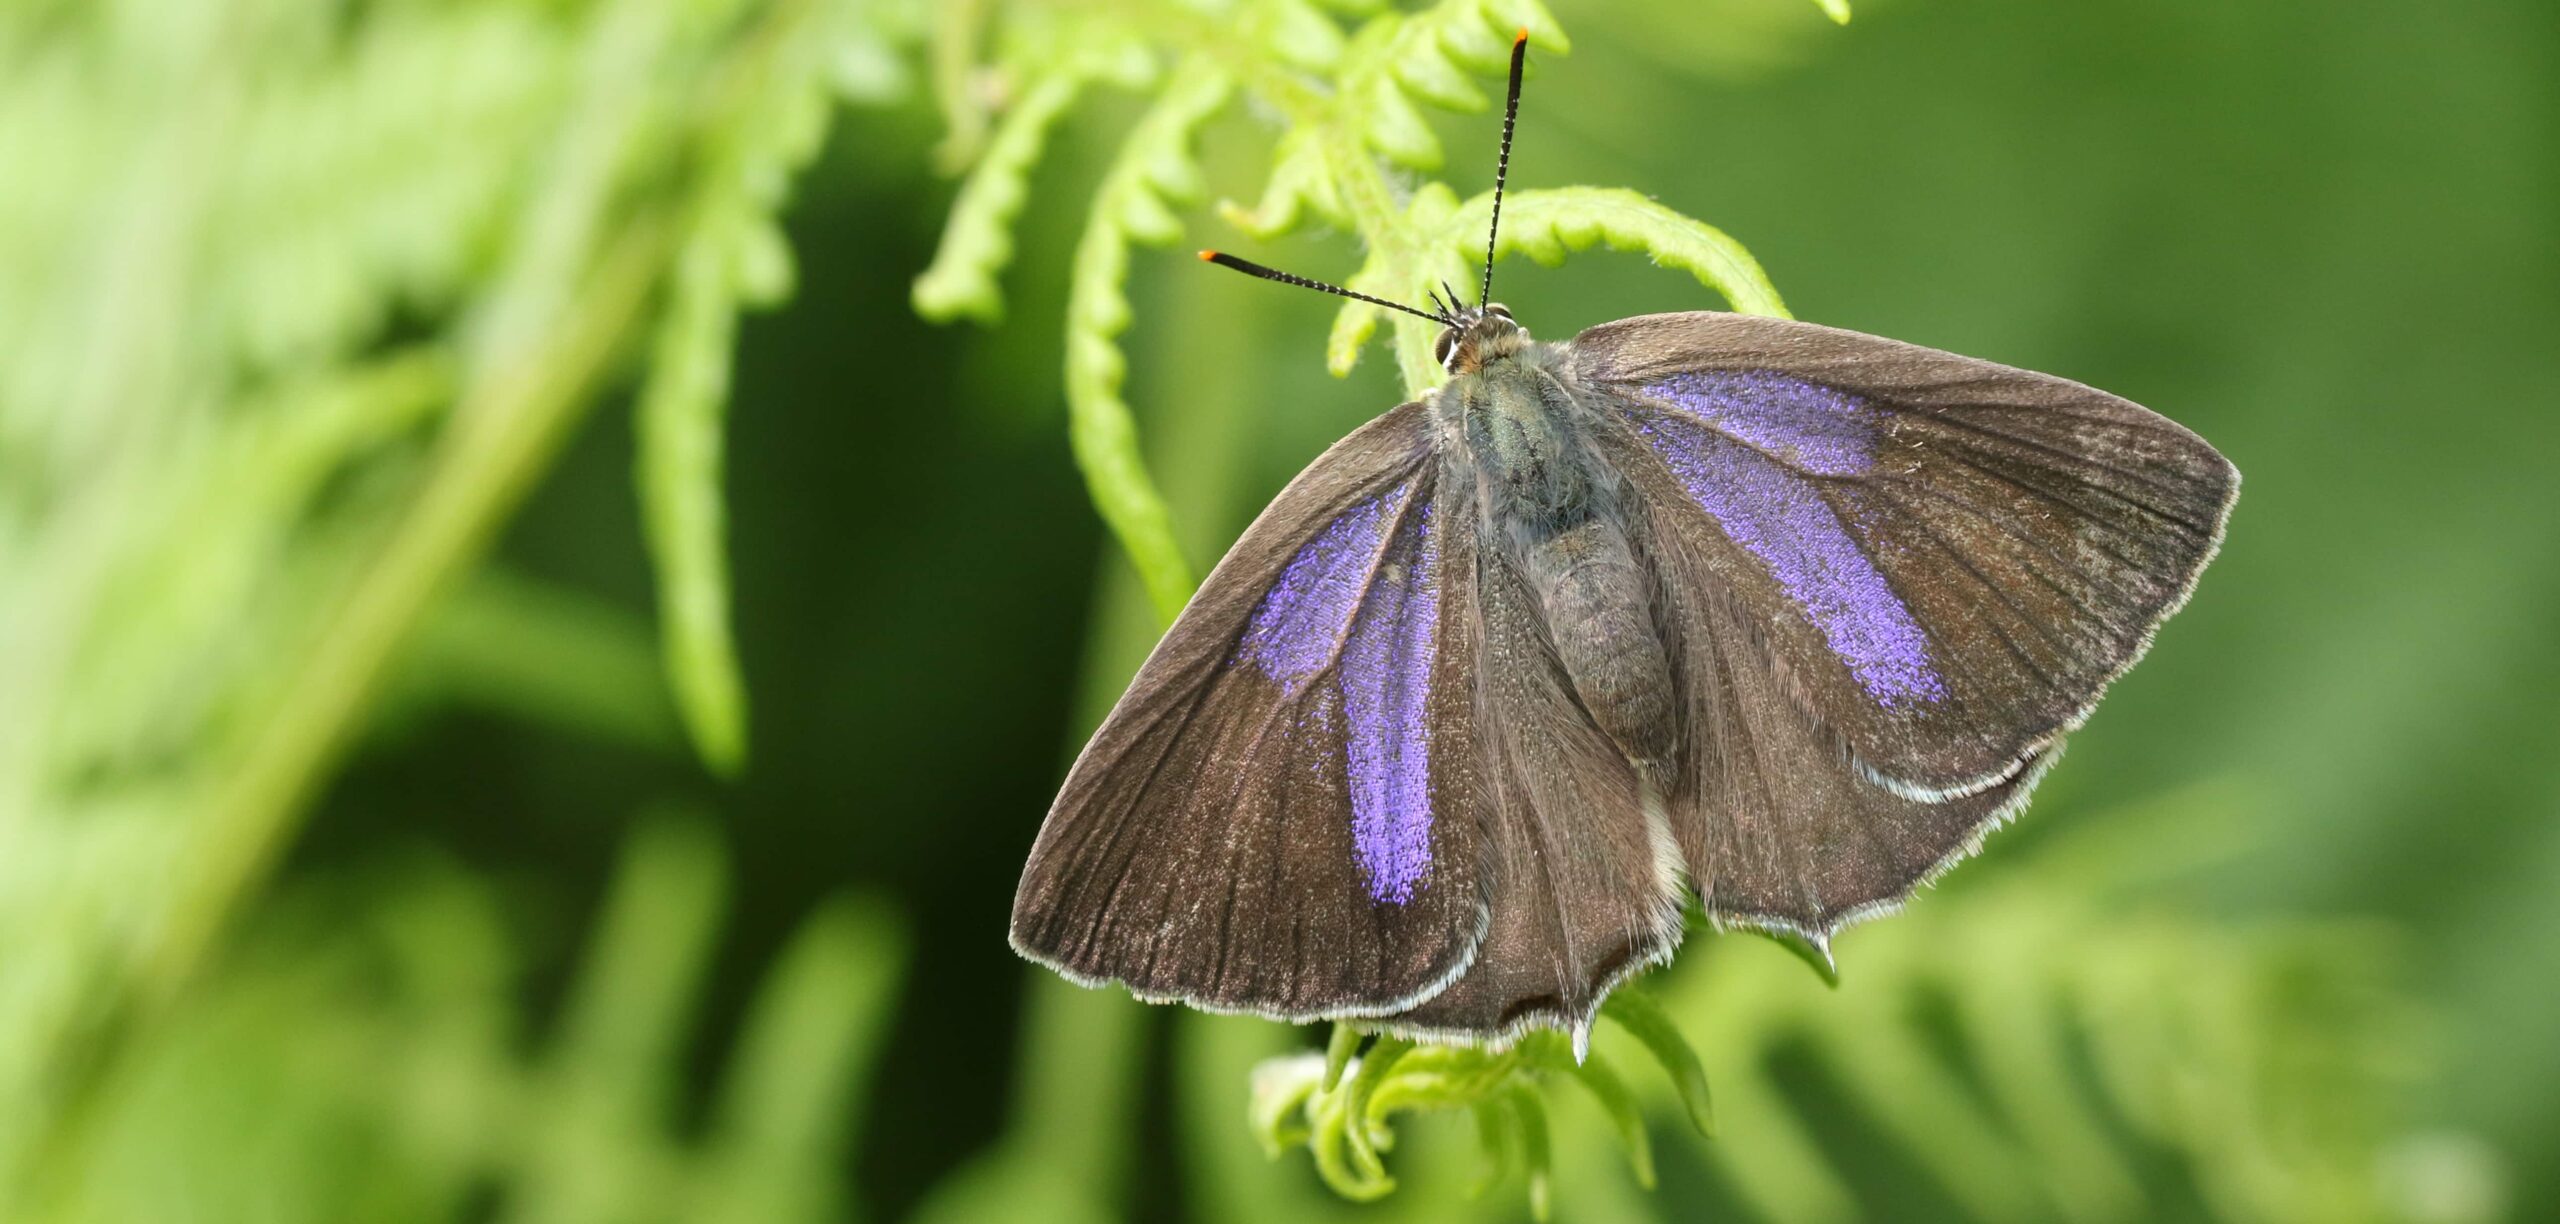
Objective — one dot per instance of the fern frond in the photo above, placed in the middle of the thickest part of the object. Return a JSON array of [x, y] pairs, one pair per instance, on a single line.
[[958, 30], [781, 1124], [603, 677], [1336, 171], [733, 256], [1544, 225], [1419, 260], [1342, 1108], [977, 241], [1547, 224], [1298, 36], [210, 254], [2203, 1037], [2185, 1019], [1153, 170], [1065, 56], [1300, 184], [681, 415], [375, 1025], [870, 39]]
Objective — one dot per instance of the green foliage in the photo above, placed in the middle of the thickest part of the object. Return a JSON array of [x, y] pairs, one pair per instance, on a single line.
[[2079, 1034], [1153, 170], [1440, 240], [731, 254], [2070, 1016], [977, 240], [601, 676], [303, 300], [301, 303], [1351, 111], [1339, 1106], [383, 1071], [1350, 123]]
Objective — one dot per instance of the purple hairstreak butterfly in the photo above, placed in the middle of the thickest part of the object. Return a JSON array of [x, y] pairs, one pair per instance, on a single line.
[[1772, 614]]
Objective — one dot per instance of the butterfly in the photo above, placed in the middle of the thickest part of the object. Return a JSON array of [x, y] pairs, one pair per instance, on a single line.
[[1778, 615]]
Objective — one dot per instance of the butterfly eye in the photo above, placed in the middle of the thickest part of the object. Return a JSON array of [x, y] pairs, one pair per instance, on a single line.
[[1442, 347], [1498, 308]]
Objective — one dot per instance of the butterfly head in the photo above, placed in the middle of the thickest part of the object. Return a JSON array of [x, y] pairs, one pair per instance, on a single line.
[[1476, 335]]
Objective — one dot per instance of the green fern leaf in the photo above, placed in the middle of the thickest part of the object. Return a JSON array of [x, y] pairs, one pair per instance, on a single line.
[[1546, 225], [977, 241], [1131, 208], [734, 257], [681, 417]]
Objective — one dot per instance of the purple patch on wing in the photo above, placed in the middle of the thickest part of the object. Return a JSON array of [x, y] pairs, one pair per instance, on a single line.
[[1806, 425], [1298, 628], [1386, 700], [1778, 515]]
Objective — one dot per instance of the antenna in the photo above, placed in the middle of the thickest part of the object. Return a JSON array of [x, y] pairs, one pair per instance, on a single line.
[[1502, 169], [1250, 268], [1444, 302]]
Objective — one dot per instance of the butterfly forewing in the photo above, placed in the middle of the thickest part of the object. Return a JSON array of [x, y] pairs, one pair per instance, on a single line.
[[1282, 815], [1948, 559]]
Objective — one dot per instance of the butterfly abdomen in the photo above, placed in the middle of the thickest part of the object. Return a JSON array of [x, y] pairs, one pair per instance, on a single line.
[[1550, 505], [1604, 635]]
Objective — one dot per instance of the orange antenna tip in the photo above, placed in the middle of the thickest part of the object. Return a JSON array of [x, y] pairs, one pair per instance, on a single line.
[[1523, 36], [1206, 256]]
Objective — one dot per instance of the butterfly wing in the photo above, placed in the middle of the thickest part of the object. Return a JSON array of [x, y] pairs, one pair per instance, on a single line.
[[1282, 815], [1584, 871], [1897, 578], [1954, 557], [1777, 826]]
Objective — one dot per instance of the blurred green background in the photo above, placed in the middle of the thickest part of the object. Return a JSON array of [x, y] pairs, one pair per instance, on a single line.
[[381, 427]]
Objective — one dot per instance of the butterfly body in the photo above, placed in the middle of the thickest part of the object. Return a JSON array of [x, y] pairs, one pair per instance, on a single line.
[[1514, 427], [1778, 616]]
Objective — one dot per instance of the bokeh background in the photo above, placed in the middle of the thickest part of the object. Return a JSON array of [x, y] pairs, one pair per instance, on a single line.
[[378, 391]]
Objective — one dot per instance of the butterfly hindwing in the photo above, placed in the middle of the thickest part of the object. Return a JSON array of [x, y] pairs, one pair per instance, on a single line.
[[1585, 875], [1283, 814], [1777, 828], [1948, 559]]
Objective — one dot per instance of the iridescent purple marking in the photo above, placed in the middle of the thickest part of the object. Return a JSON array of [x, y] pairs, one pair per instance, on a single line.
[[1386, 698], [1818, 429], [1297, 629], [1734, 470]]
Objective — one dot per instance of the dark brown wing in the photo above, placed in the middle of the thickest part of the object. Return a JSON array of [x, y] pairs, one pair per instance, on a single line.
[[1779, 827], [1947, 560], [1283, 814], [1585, 874]]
